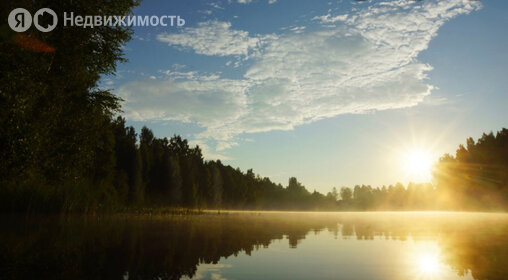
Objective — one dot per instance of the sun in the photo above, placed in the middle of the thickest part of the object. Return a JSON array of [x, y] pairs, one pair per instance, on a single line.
[[419, 161], [417, 164]]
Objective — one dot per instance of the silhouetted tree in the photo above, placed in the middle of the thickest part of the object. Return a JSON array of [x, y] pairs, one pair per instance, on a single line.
[[477, 177], [56, 140], [346, 193]]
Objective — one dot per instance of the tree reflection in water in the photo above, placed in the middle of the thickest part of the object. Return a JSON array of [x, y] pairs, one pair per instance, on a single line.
[[173, 247]]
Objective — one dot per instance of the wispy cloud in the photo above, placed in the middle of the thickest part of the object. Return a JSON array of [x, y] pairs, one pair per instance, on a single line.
[[213, 38], [368, 60], [250, 1], [328, 18]]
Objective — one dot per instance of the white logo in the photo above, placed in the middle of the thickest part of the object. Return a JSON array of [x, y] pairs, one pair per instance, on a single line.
[[41, 13], [20, 20]]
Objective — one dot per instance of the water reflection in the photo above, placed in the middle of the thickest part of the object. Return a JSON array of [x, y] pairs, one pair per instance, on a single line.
[[257, 246], [429, 264]]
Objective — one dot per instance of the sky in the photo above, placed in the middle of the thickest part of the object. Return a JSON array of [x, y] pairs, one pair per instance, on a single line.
[[335, 93]]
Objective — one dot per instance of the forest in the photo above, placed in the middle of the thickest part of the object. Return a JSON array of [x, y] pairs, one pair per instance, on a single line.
[[64, 146]]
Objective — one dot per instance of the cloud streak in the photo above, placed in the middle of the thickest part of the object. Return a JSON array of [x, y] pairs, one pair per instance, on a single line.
[[214, 38]]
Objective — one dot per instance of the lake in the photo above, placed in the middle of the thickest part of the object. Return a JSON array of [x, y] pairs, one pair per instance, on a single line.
[[257, 245]]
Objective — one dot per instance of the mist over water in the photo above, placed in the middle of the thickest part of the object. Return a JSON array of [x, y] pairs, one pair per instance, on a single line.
[[258, 245]]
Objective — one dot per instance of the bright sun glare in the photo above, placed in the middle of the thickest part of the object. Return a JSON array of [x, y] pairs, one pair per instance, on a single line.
[[418, 164], [428, 264]]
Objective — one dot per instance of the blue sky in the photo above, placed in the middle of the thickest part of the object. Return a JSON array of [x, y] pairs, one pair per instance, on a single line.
[[336, 93]]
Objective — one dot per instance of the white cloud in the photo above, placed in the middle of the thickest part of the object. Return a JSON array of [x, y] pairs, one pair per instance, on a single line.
[[188, 97], [250, 1], [434, 100], [213, 38], [369, 62], [298, 29], [328, 18], [215, 6], [208, 152]]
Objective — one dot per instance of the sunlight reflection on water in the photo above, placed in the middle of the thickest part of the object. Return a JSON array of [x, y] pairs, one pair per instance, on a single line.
[[259, 245]]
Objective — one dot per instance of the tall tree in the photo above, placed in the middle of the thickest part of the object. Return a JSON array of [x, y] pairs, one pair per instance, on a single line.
[[55, 135]]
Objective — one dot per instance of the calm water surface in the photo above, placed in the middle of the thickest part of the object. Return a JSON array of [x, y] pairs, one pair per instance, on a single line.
[[257, 245]]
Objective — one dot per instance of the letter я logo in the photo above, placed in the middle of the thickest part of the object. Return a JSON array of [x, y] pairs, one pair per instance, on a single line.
[[19, 20]]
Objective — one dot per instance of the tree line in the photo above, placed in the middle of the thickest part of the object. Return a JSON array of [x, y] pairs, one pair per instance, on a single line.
[[393, 197], [169, 172], [113, 247], [476, 178], [63, 148]]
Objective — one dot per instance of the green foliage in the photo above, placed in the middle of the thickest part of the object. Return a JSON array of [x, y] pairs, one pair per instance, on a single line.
[[477, 177], [56, 138], [62, 150], [176, 174], [394, 197]]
